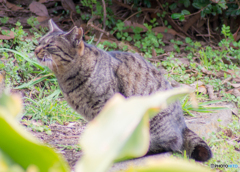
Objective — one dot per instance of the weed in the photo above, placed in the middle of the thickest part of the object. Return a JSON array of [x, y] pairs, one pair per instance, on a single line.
[[37, 127], [69, 147], [202, 107], [223, 145], [4, 20], [176, 44], [50, 109], [180, 16]]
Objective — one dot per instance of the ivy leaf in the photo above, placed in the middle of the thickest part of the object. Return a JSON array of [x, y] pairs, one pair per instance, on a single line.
[[182, 18], [185, 12], [129, 38], [218, 9], [176, 15], [197, 5], [237, 12], [202, 14], [173, 6], [186, 3], [208, 9], [118, 35], [223, 5]]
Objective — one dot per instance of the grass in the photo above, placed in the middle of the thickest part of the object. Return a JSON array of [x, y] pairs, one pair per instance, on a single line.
[[224, 147], [43, 99]]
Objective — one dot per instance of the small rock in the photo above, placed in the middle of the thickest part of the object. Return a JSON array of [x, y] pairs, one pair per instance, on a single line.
[[205, 123]]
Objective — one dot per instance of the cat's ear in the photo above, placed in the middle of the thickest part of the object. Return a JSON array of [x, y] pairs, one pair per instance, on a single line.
[[74, 36], [53, 27]]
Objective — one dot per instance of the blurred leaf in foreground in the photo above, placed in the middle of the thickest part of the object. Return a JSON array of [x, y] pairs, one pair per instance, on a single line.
[[169, 165], [11, 105], [21, 146]]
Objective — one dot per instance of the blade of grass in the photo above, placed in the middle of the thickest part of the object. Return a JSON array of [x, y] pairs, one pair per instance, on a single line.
[[33, 82], [37, 65]]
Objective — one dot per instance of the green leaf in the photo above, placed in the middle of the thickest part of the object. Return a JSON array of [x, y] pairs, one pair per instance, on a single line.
[[218, 9], [125, 34], [186, 3], [202, 14], [119, 35], [129, 38], [185, 12], [173, 6], [197, 5], [122, 123], [24, 149], [182, 18], [176, 15], [131, 148], [8, 102], [188, 40], [208, 9], [7, 165], [222, 5]]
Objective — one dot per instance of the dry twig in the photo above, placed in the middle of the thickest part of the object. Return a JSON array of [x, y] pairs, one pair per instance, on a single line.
[[104, 21], [211, 92]]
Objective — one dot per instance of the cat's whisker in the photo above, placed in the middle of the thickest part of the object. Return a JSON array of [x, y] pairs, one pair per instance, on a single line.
[[54, 63], [47, 64]]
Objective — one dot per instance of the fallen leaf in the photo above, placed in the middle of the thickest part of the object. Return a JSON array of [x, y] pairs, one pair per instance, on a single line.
[[154, 54], [159, 29], [184, 61], [220, 74], [202, 89], [236, 85], [197, 84], [38, 8], [236, 93], [134, 25], [13, 7], [68, 5], [71, 124], [237, 79], [42, 18], [204, 70], [9, 35], [226, 80], [162, 29]]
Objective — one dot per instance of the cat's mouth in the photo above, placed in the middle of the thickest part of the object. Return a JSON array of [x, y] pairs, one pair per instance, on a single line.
[[44, 58]]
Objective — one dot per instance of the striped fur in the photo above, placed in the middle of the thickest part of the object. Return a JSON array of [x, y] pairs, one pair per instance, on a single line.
[[88, 77]]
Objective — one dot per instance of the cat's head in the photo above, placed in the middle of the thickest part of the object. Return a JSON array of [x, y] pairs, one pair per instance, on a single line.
[[58, 49]]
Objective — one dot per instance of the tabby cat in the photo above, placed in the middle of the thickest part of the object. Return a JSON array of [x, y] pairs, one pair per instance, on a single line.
[[89, 77]]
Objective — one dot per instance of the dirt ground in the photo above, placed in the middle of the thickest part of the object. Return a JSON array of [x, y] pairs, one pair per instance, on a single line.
[[64, 139]]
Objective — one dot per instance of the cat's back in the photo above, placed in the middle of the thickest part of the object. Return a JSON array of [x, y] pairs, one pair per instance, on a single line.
[[137, 76]]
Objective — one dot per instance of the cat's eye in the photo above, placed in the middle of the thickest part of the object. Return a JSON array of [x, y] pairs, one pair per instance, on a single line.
[[48, 45], [36, 44]]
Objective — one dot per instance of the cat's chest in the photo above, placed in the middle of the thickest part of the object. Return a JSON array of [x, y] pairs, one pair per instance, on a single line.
[[89, 97]]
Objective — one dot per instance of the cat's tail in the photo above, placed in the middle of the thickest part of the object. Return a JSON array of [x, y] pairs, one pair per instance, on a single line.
[[195, 147]]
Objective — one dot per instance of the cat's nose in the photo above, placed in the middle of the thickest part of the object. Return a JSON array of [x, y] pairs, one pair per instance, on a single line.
[[37, 50]]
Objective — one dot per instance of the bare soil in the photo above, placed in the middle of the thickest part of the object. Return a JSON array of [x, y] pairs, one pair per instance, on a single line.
[[64, 139]]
